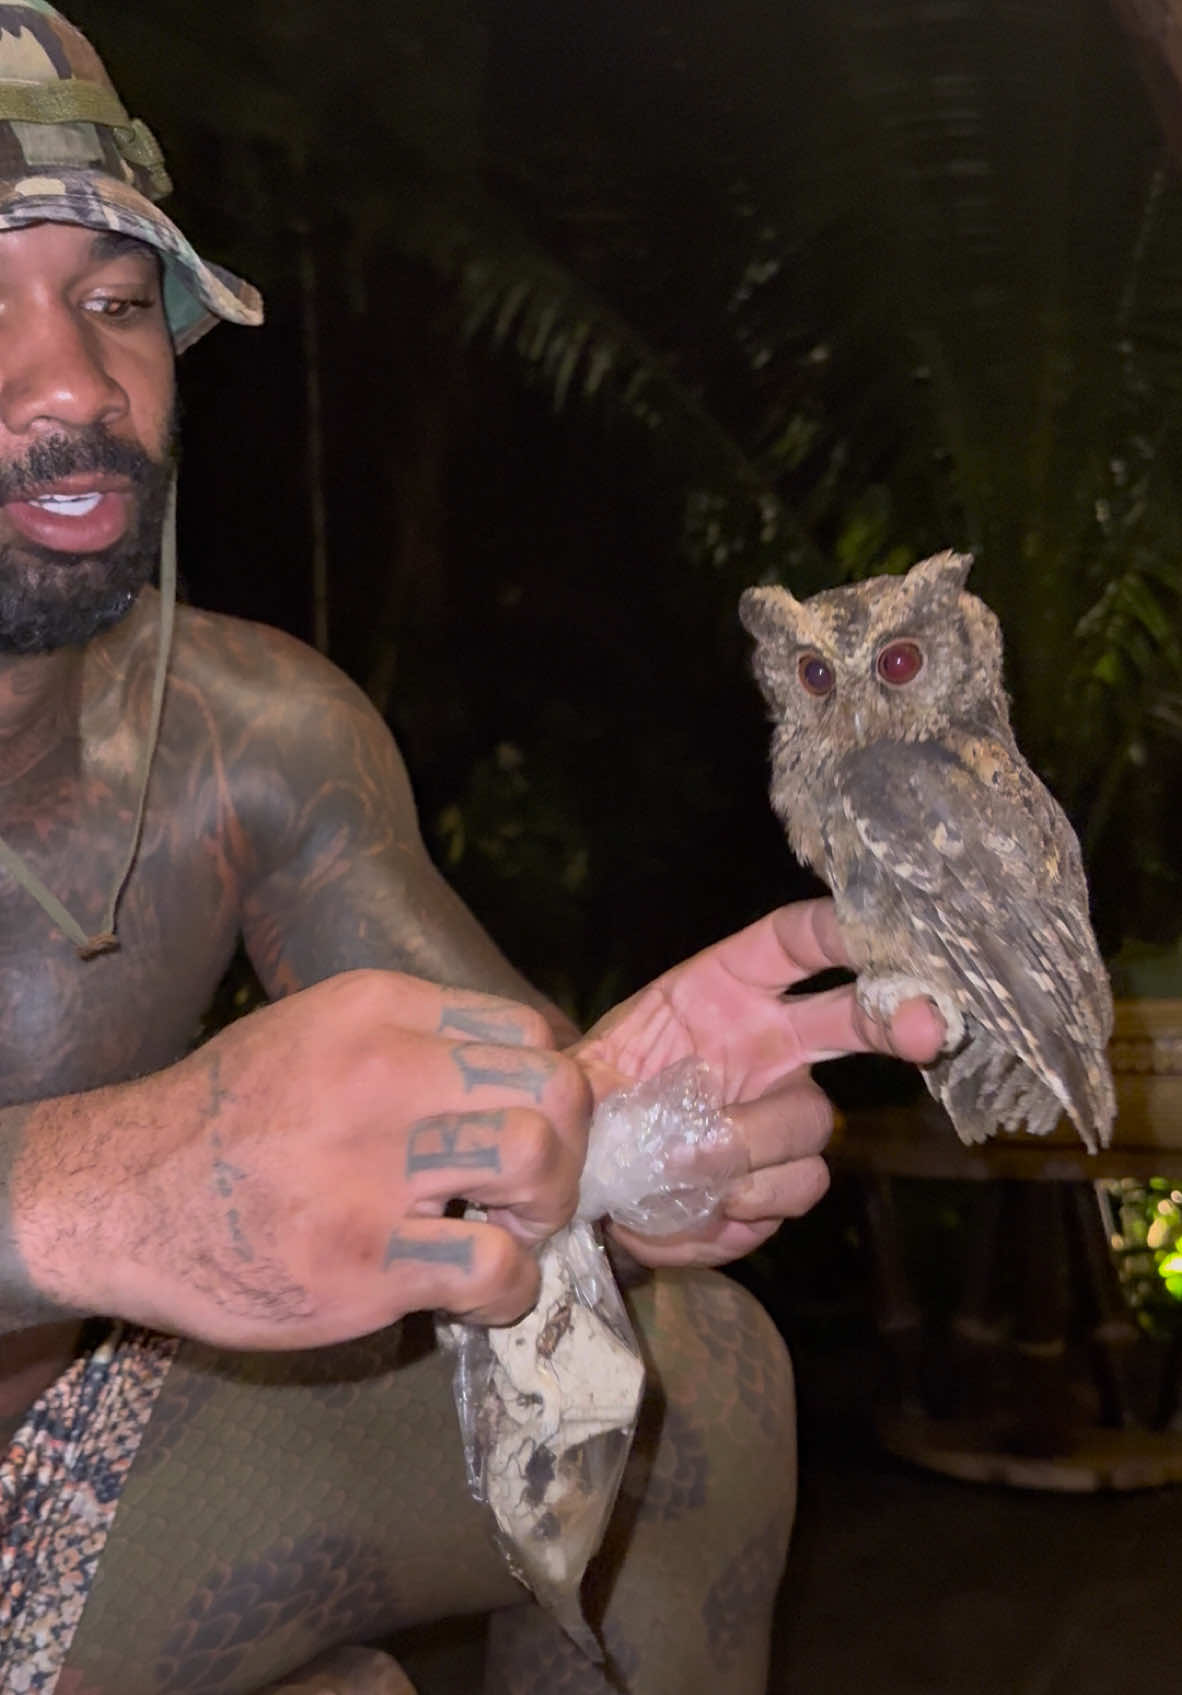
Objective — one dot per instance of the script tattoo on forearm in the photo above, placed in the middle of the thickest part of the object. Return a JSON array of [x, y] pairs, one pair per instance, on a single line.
[[226, 1177], [451, 1250], [219, 1094], [482, 1067], [455, 1141]]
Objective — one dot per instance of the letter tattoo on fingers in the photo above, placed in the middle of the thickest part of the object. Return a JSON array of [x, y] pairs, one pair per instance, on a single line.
[[482, 1067], [451, 1250], [482, 1024], [455, 1141]]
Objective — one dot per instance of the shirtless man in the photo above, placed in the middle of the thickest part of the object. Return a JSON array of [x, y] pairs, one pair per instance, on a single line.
[[282, 1487]]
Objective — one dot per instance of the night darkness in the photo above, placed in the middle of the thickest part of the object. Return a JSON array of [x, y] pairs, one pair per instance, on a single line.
[[891, 309], [604, 312]]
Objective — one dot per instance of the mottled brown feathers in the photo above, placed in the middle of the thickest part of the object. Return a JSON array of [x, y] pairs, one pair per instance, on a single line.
[[955, 872]]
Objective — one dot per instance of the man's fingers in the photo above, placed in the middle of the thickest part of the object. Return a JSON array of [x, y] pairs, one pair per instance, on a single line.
[[482, 1076], [454, 1080], [791, 1122], [512, 1160], [808, 933], [779, 1191], [725, 1240], [468, 1016], [916, 1031], [464, 1266], [372, 998], [783, 948], [832, 1023]]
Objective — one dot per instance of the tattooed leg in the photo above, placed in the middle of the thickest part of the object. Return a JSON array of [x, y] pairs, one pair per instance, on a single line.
[[281, 1506], [684, 1588]]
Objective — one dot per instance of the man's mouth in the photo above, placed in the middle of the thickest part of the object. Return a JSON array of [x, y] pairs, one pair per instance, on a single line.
[[68, 505], [80, 514]]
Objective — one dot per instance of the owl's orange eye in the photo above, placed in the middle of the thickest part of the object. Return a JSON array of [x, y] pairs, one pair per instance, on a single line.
[[900, 663], [815, 674]]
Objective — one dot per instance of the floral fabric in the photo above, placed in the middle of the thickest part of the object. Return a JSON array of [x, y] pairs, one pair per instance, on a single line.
[[60, 1483]]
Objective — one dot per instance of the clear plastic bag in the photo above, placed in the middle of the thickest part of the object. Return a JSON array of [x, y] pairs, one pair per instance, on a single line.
[[547, 1411], [660, 1154], [548, 1406]]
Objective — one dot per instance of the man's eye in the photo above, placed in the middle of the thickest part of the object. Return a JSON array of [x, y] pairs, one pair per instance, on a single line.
[[119, 308]]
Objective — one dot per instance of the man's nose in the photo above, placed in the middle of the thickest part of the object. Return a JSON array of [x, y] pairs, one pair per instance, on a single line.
[[52, 374]]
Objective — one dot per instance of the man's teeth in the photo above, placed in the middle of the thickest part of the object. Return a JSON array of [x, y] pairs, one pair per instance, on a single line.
[[67, 505]]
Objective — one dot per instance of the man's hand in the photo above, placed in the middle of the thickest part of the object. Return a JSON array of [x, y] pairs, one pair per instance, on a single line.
[[285, 1185], [727, 1006]]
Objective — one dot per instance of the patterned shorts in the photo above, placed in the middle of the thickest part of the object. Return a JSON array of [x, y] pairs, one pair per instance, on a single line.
[[60, 1483]]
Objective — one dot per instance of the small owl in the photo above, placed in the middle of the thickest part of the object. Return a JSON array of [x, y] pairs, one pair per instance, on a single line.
[[956, 875]]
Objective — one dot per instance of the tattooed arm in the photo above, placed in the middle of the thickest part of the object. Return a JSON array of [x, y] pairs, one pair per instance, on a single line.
[[344, 879], [22, 1303]]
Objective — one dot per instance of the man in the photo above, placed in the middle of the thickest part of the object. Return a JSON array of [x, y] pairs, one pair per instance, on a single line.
[[210, 1514]]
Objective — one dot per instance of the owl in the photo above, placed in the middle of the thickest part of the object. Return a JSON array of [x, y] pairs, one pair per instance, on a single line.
[[955, 873]]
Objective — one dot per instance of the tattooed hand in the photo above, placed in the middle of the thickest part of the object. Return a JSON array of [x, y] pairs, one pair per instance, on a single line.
[[285, 1185], [728, 1006]]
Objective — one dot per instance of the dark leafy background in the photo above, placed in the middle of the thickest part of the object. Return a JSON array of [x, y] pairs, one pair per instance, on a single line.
[[583, 317]]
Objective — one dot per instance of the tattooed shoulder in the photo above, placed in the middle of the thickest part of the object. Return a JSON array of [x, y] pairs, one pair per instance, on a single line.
[[303, 750]]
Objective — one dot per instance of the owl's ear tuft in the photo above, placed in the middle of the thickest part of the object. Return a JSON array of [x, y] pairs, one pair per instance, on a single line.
[[769, 613], [944, 573]]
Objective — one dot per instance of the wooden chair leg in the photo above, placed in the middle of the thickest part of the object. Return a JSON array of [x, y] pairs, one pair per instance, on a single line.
[[898, 1317], [1039, 1413], [968, 1380], [1112, 1333]]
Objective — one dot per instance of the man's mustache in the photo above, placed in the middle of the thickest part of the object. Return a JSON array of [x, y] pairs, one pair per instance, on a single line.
[[93, 449]]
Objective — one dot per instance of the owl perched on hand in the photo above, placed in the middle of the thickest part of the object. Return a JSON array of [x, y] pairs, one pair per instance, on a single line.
[[956, 875]]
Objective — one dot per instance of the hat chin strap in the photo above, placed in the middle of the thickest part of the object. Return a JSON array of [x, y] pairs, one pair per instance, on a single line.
[[104, 939]]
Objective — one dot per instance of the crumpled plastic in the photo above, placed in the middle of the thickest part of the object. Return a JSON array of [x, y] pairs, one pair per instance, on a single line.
[[548, 1406], [661, 1154]]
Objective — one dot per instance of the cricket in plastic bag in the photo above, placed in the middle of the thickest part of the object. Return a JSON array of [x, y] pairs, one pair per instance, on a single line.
[[548, 1406]]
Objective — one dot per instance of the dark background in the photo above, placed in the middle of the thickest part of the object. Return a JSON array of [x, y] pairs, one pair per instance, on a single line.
[[582, 318]]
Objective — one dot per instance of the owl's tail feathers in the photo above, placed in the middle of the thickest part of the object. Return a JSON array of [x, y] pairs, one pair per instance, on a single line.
[[985, 1088], [1095, 1116]]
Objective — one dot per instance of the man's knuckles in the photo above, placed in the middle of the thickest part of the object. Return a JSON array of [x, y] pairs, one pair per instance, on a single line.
[[537, 1157], [502, 1284], [512, 1157]]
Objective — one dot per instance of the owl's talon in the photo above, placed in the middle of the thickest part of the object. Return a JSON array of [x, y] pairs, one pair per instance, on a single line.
[[882, 997]]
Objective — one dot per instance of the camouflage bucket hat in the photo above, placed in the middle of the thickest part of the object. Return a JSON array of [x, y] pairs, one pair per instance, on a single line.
[[70, 154]]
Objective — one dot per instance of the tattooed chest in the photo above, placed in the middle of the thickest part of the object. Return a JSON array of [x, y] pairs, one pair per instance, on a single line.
[[68, 1024]]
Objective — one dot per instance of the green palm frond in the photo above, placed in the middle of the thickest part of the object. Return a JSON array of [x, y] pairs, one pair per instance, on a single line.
[[517, 299], [879, 279]]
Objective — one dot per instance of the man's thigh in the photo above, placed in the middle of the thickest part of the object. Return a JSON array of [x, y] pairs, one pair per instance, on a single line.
[[280, 1504]]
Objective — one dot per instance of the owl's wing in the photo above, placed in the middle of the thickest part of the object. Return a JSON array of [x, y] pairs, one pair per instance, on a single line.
[[965, 851]]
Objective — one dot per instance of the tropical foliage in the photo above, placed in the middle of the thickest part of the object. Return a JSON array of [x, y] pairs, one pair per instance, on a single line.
[[616, 309]]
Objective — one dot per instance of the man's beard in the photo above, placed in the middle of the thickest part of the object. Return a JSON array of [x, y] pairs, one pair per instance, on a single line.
[[50, 600]]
